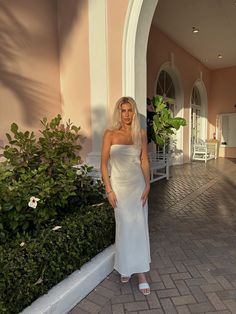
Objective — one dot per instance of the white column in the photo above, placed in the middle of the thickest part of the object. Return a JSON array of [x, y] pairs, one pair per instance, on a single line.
[[98, 75], [137, 25]]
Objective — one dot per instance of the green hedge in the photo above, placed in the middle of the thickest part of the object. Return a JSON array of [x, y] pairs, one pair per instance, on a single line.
[[31, 265]]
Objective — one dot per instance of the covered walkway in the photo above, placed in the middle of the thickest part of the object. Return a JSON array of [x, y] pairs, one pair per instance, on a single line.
[[192, 219]]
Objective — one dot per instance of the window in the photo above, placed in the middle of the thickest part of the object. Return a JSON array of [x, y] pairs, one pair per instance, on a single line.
[[195, 116], [165, 88], [227, 129]]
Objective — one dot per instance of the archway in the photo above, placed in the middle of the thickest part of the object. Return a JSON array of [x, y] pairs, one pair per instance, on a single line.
[[136, 30], [168, 84], [199, 112]]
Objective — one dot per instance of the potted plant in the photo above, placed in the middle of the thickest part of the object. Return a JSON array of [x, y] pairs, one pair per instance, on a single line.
[[160, 123]]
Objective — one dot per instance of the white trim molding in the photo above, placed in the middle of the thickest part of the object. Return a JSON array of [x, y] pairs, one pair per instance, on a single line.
[[69, 292], [135, 38]]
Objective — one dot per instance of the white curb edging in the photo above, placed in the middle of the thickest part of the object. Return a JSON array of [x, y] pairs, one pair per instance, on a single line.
[[65, 295]]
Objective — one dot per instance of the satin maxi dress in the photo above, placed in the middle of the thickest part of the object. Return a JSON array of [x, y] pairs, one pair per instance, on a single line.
[[132, 249]]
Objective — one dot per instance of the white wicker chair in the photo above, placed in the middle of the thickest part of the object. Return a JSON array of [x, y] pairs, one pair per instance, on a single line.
[[159, 166]]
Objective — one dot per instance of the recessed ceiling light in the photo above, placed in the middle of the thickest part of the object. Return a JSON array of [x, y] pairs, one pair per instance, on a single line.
[[220, 56], [195, 30]]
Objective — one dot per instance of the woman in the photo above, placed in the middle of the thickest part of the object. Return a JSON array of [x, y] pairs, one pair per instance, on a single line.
[[127, 188]]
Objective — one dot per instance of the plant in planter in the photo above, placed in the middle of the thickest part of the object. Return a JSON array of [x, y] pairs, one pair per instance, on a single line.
[[161, 125], [38, 181], [53, 217]]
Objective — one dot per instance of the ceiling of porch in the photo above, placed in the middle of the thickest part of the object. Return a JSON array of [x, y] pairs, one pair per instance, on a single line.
[[216, 21]]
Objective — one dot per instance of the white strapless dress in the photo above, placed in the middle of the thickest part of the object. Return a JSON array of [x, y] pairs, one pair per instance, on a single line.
[[132, 236]]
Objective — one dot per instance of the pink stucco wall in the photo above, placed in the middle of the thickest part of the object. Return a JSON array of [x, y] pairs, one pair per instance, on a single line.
[[116, 11], [29, 63], [222, 100], [159, 52], [73, 28]]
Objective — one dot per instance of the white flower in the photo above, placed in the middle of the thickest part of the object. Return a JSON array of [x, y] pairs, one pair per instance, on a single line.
[[33, 202], [79, 172], [22, 244], [56, 228]]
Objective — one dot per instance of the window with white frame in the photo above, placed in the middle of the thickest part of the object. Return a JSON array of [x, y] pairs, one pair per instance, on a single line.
[[165, 88], [195, 116], [227, 129]]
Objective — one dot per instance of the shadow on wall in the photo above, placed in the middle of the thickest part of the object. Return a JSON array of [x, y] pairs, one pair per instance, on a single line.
[[34, 96], [68, 12]]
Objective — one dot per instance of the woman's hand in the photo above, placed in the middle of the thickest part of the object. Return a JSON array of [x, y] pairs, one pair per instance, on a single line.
[[112, 199], [145, 194]]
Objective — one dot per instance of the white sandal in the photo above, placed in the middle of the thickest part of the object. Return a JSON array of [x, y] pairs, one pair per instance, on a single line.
[[124, 279], [144, 286]]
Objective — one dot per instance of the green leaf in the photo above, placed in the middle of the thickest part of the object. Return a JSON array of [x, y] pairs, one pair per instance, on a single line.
[[14, 128]]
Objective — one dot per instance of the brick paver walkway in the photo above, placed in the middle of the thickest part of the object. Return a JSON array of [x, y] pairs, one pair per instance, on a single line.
[[192, 220]]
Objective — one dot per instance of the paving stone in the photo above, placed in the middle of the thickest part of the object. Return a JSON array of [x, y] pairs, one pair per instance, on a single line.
[[156, 311], [136, 306], [183, 309], [107, 309], [154, 276], [215, 301], [180, 267], [182, 300], [166, 293], [97, 298], [182, 287], [207, 275], [78, 310], [211, 287], [126, 289], [122, 298], [195, 282], [89, 306], [168, 282], [224, 282], [198, 294], [118, 309], [104, 291], [193, 271], [157, 286], [153, 301], [179, 276], [201, 307], [168, 306], [220, 312]]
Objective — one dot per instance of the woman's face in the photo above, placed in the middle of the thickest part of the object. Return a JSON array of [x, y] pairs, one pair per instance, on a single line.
[[127, 113]]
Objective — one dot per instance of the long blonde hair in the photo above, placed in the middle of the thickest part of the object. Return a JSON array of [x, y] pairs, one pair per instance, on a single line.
[[135, 125]]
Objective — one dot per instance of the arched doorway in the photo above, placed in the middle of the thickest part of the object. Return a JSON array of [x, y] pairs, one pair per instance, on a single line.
[[168, 84], [198, 105]]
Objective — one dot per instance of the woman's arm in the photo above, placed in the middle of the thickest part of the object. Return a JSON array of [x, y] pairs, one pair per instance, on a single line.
[[107, 140], [145, 166]]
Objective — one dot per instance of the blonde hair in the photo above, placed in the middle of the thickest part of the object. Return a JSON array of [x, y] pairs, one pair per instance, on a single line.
[[135, 125]]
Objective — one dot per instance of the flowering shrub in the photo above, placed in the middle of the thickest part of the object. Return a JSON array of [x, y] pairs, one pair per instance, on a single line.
[[38, 181]]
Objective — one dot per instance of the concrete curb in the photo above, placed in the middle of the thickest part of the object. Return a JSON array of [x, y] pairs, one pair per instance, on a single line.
[[65, 295]]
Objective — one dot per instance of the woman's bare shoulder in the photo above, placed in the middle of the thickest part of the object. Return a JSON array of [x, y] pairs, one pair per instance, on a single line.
[[108, 134]]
